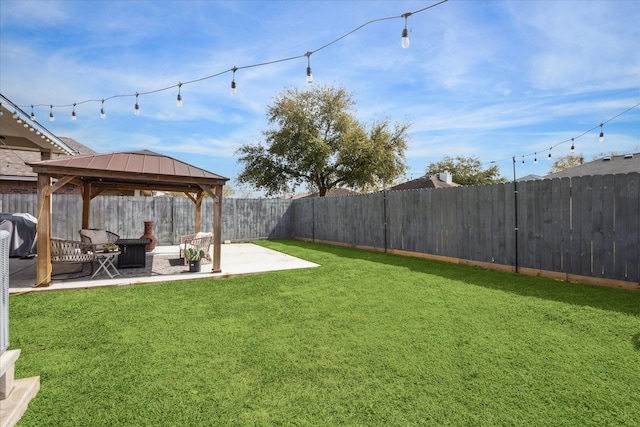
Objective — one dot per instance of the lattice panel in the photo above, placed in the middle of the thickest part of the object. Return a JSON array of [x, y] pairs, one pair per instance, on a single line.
[[4, 290]]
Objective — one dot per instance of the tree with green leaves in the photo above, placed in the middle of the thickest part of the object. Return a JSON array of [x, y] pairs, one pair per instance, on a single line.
[[317, 140], [466, 171], [565, 162]]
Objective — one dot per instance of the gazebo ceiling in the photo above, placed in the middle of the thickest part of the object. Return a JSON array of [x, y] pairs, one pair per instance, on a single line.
[[19, 132], [137, 169]]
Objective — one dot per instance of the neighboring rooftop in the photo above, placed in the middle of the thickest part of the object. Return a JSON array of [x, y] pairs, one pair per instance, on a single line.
[[608, 165], [530, 177], [334, 192], [427, 181]]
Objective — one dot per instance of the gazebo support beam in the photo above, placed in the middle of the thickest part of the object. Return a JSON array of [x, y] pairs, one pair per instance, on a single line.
[[217, 228], [43, 228], [86, 204], [60, 183], [216, 195], [199, 211]]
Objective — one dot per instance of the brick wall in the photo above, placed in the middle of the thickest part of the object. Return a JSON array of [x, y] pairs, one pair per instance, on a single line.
[[30, 187]]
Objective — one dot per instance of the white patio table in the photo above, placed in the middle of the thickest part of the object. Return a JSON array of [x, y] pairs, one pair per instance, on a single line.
[[105, 261]]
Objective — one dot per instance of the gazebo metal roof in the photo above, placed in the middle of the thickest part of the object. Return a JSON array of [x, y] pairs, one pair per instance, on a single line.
[[136, 169]]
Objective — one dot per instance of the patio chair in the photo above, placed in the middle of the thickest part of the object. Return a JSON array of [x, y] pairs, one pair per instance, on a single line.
[[197, 241], [97, 237]]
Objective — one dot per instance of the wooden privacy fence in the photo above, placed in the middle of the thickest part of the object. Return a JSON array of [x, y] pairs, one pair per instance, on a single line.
[[242, 219], [583, 226]]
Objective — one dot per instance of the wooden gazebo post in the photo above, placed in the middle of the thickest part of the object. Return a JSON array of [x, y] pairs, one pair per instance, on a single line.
[[215, 192], [43, 229], [198, 218], [217, 228], [86, 204]]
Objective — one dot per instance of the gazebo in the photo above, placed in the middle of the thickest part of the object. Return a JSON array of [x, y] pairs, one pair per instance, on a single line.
[[136, 170]]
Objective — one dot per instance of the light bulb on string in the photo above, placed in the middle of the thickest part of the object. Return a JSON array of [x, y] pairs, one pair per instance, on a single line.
[[51, 118], [601, 137], [73, 113], [404, 42], [234, 89], [179, 98], [573, 147], [535, 158], [136, 108], [550, 152], [33, 116], [103, 115], [309, 75], [523, 160]]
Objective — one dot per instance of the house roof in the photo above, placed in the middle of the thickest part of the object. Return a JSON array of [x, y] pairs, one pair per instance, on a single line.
[[19, 132], [427, 181], [135, 169], [608, 165], [334, 192], [15, 163], [530, 177]]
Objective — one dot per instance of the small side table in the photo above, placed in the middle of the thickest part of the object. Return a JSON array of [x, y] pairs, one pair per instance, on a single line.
[[105, 261], [133, 253]]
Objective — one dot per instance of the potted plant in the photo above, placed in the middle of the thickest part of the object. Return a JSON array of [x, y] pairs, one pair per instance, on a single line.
[[109, 247], [194, 257]]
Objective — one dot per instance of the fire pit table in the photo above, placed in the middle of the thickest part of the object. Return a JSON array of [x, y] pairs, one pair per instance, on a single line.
[[133, 253]]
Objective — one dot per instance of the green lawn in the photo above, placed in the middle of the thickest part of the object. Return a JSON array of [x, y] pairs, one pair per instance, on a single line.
[[365, 339]]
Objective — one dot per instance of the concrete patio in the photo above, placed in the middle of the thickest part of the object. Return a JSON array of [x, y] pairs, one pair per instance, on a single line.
[[163, 264]]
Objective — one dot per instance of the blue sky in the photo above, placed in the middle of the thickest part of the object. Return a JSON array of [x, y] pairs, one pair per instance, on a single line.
[[485, 79]]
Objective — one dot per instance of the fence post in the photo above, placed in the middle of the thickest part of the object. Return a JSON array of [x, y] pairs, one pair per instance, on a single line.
[[515, 212]]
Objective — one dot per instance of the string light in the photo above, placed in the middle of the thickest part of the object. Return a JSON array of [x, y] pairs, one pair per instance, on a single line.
[[573, 148], [179, 99], [233, 85], [572, 140], [33, 116], [73, 113], [405, 42], [309, 75], [136, 109], [234, 89]]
